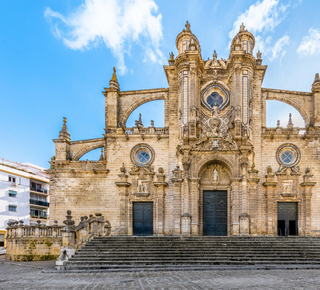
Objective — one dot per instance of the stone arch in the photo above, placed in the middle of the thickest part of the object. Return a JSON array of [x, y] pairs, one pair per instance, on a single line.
[[87, 149], [291, 102], [201, 166], [138, 103]]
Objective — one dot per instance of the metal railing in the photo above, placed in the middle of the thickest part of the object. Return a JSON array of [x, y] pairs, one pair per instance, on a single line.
[[38, 202], [39, 190]]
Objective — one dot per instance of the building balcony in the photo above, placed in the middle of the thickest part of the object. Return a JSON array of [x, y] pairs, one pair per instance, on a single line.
[[39, 190], [39, 217], [38, 202]]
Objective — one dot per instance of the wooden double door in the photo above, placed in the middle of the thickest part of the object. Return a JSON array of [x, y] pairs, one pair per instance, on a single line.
[[143, 218], [215, 218]]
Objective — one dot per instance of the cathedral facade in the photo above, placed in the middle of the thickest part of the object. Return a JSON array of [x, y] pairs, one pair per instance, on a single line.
[[214, 169]]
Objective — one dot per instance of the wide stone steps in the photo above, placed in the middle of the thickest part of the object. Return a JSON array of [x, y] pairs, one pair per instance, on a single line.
[[120, 253]]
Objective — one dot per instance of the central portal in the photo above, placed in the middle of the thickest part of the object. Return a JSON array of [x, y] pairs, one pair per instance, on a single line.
[[143, 218], [215, 213]]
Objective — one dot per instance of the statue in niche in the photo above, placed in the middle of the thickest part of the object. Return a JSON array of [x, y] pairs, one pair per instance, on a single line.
[[215, 175]]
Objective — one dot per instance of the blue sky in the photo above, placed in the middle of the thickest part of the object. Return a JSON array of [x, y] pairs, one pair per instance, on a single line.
[[56, 56]]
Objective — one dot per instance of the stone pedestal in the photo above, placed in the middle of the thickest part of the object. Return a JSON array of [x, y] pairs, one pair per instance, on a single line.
[[186, 224], [244, 224]]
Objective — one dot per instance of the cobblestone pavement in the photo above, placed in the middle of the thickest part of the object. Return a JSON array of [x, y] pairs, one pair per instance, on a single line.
[[13, 276]]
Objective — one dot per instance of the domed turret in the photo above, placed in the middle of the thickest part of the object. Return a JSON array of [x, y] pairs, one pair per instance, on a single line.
[[244, 40], [186, 40]]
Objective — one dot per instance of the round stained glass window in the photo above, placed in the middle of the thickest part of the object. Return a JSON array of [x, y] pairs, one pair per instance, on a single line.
[[142, 155], [214, 99], [288, 155]]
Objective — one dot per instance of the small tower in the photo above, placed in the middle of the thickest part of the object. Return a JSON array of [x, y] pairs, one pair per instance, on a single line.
[[186, 40], [112, 95], [63, 143], [64, 133], [316, 99], [290, 123], [244, 40], [113, 84]]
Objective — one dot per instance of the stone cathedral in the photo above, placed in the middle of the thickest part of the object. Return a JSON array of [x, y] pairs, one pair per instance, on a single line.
[[214, 169]]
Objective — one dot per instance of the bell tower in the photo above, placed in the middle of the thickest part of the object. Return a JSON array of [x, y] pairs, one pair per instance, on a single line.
[[188, 64]]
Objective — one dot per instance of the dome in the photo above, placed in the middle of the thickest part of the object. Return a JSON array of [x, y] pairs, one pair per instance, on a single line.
[[244, 40], [186, 40]]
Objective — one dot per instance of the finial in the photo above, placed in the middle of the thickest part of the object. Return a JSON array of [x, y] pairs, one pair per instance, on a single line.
[[290, 123], [242, 27], [64, 120], [114, 75], [187, 26], [316, 78], [278, 123], [101, 155]]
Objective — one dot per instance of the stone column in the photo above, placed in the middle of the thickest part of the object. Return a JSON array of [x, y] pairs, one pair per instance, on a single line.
[[253, 200], [307, 186], [235, 207], [177, 182], [186, 218], [123, 193], [194, 209], [271, 186], [160, 185], [244, 217]]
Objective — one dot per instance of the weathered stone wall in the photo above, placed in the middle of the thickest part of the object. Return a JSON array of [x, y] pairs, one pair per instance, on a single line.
[[33, 248]]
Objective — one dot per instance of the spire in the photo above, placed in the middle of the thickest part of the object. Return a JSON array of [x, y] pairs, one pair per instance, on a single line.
[[114, 81], [114, 75], [290, 123], [101, 156], [316, 84], [64, 133]]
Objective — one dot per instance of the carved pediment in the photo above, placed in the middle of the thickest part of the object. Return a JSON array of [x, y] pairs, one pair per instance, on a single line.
[[225, 143]]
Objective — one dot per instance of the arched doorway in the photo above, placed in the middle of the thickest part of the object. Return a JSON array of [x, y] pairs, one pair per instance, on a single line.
[[215, 199]]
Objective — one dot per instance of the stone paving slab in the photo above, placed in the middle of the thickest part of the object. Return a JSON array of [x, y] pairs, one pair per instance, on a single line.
[[25, 276]]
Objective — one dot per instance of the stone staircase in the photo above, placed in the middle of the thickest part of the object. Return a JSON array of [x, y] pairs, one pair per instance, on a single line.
[[136, 253]]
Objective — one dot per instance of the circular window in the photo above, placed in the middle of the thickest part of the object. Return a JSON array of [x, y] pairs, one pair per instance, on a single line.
[[288, 155], [142, 155]]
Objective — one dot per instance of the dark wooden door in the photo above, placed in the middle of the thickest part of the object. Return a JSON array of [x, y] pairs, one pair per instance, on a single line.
[[287, 218], [215, 213], [143, 218]]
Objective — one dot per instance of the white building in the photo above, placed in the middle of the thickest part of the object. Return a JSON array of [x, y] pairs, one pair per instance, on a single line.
[[24, 194]]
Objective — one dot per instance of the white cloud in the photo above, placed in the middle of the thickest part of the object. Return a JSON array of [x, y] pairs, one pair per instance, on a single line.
[[310, 44], [277, 49], [261, 19], [119, 24]]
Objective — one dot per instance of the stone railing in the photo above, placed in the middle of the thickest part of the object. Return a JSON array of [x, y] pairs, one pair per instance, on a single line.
[[41, 242], [19, 230], [147, 130]]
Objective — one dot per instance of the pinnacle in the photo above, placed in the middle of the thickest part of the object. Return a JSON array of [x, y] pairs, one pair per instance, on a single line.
[[64, 133]]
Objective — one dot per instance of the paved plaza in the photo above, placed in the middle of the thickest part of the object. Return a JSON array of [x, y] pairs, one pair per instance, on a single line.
[[40, 275]]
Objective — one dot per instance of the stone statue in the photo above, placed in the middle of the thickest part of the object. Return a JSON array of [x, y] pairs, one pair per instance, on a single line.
[[187, 26], [259, 54], [171, 56], [215, 175]]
